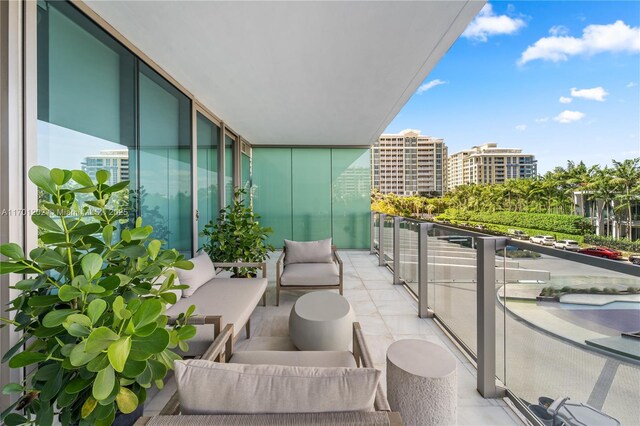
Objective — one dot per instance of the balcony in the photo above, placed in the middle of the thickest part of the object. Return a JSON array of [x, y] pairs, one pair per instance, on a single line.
[[574, 343]]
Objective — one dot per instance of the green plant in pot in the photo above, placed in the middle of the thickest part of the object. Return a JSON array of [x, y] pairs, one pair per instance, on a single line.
[[91, 310], [236, 236]]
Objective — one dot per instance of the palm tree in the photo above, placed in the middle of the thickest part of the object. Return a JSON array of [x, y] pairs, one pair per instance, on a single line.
[[626, 177], [604, 190]]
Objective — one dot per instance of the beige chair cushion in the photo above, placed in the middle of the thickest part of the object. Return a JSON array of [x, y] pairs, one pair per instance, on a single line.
[[311, 274], [202, 272], [207, 387], [296, 358], [233, 298], [308, 251]]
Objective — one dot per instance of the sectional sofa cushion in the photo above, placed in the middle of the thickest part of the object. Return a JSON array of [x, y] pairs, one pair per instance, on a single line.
[[233, 298], [308, 251], [202, 272], [296, 358], [207, 387], [301, 274]]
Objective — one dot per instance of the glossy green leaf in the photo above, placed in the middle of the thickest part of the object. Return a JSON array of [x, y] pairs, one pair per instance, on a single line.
[[67, 293], [127, 401], [12, 251], [9, 267], [142, 347], [118, 353], [91, 265], [102, 176], [100, 339], [95, 309], [12, 388], [98, 363], [107, 234], [45, 222], [23, 359], [41, 177], [147, 313], [79, 356], [104, 383], [133, 368], [55, 318], [77, 330], [81, 177], [154, 248], [57, 176], [77, 384]]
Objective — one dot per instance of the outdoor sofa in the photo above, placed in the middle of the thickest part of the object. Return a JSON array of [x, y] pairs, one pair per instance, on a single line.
[[311, 397], [218, 300], [309, 265]]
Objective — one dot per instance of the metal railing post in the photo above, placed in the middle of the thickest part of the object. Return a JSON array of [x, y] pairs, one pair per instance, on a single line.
[[423, 270], [486, 314], [372, 233], [396, 249], [381, 220]]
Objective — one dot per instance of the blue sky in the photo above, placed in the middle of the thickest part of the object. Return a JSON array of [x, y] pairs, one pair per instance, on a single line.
[[559, 79]]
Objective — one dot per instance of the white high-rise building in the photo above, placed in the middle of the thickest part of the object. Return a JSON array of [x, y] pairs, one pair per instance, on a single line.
[[409, 164], [489, 164], [115, 162]]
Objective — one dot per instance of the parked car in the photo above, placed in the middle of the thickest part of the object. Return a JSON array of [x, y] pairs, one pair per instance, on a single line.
[[570, 245], [602, 252], [545, 240], [518, 234], [635, 259]]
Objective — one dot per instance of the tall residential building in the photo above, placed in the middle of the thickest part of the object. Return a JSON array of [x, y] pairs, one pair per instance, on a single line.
[[489, 164], [115, 162], [409, 164]]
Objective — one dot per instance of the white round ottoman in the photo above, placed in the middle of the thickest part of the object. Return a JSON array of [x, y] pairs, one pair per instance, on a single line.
[[422, 382], [321, 321]]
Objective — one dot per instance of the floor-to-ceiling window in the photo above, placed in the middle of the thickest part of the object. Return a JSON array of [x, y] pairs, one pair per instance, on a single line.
[[165, 160], [229, 141], [314, 193], [208, 194], [100, 107], [246, 176], [86, 95]]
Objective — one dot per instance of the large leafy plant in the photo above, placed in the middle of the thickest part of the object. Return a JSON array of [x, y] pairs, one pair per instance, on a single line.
[[236, 236], [91, 308]]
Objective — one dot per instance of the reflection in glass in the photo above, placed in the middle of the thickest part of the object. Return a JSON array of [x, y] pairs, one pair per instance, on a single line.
[[208, 142], [228, 168]]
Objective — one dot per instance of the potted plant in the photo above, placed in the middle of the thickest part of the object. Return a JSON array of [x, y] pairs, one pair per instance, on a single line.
[[91, 308], [236, 236]]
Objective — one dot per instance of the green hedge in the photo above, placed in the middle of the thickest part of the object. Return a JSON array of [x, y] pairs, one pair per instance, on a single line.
[[622, 244], [504, 230], [567, 224]]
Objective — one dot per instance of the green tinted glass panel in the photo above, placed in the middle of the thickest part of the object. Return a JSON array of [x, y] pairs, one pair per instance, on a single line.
[[246, 177], [208, 203], [311, 193], [165, 160], [272, 193], [351, 202], [228, 169]]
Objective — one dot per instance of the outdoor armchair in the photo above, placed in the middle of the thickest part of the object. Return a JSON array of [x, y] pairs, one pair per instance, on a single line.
[[309, 265]]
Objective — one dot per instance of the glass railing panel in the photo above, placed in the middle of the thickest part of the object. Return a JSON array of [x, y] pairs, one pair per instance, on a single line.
[[408, 252], [388, 240], [563, 330], [452, 275]]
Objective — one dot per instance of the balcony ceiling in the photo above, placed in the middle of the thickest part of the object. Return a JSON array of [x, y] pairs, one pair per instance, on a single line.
[[295, 73]]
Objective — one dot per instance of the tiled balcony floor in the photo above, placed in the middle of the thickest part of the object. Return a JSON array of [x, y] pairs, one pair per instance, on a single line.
[[387, 313]]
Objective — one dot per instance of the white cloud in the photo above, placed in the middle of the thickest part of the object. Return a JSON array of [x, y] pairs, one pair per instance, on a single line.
[[594, 94], [565, 100], [542, 120], [521, 127], [616, 37], [430, 85], [488, 24], [568, 116], [558, 30], [631, 84]]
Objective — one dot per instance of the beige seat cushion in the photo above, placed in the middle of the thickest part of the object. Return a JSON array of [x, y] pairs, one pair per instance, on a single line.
[[207, 387], [311, 274], [233, 298], [296, 358], [203, 271], [377, 418], [308, 251]]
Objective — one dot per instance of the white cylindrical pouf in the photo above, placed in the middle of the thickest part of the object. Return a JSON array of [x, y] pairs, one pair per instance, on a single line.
[[422, 382], [321, 321]]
